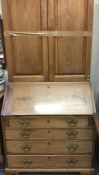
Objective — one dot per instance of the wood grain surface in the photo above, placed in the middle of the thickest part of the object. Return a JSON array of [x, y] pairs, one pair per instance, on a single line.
[[35, 134], [48, 58], [51, 162], [62, 147], [48, 122], [48, 99]]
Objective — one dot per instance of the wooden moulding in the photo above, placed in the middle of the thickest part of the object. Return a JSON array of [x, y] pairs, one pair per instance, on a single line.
[[86, 171], [51, 33]]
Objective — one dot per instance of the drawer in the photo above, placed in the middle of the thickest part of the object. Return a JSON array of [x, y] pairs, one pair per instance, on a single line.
[[49, 161], [24, 134], [49, 122], [49, 147]]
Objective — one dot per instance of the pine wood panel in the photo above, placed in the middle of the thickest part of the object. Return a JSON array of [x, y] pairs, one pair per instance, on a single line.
[[66, 58], [56, 59], [50, 162], [49, 122], [43, 99], [67, 15], [31, 134], [24, 50], [70, 56], [49, 147], [50, 170], [29, 57]]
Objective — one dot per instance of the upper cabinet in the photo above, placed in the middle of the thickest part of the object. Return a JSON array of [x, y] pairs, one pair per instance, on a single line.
[[70, 55], [48, 40]]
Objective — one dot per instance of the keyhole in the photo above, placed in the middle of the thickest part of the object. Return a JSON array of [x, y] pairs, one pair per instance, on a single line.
[[48, 121], [49, 143], [49, 158]]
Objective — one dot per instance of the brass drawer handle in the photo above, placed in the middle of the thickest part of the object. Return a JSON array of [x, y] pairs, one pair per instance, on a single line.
[[72, 163], [27, 162], [24, 122], [72, 122], [72, 148], [25, 134], [26, 148], [72, 134]]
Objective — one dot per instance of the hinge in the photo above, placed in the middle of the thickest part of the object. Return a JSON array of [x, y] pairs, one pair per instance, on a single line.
[[88, 77]]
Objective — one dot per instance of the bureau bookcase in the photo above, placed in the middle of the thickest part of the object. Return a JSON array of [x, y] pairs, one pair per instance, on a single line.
[[48, 109]]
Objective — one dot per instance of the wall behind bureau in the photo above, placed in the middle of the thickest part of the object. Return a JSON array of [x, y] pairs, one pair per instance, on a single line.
[[0, 7], [95, 54]]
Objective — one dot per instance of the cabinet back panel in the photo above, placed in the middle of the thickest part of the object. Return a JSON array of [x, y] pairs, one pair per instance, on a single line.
[[28, 57], [26, 15], [69, 58], [67, 15]]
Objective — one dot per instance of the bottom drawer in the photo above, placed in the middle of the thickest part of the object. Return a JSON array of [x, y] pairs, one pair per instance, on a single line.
[[51, 162]]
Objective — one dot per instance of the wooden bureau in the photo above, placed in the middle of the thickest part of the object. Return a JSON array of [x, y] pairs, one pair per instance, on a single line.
[[48, 129], [48, 109]]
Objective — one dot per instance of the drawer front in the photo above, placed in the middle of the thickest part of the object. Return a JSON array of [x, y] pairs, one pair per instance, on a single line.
[[49, 122], [24, 134], [49, 162], [49, 147]]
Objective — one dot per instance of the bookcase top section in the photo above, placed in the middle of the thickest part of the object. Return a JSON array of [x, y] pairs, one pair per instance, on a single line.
[[48, 99], [48, 40]]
